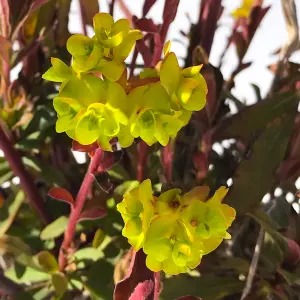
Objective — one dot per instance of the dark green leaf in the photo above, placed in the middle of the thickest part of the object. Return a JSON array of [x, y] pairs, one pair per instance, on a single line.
[[255, 175], [208, 287], [255, 117], [280, 212]]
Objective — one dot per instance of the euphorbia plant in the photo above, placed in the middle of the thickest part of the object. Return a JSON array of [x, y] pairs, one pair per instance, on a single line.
[[92, 106], [151, 213]]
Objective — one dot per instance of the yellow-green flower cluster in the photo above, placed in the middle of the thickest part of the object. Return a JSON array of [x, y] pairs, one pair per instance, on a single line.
[[95, 102], [175, 230]]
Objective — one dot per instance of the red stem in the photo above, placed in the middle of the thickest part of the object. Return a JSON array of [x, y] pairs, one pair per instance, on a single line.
[[167, 159], [26, 181], [111, 7], [142, 149], [83, 17], [77, 209]]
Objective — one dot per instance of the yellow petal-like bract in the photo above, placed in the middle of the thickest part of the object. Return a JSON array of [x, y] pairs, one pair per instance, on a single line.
[[95, 102], [175, 230]]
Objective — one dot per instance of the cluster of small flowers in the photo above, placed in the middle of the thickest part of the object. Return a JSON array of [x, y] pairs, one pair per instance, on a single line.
[[175, 230], [95, 102]]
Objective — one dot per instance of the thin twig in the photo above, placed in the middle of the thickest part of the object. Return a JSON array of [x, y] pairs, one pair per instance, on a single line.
[[254, 263], [26, 181], [142, 149], [111, 7], [167, 155], [77, 209], [83, 17]]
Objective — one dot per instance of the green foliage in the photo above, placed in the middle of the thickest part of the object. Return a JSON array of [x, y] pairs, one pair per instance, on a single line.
[[55, 229]]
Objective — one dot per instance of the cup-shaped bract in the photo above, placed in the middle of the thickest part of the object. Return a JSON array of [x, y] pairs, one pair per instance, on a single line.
[[187, 87], [153, 120], [207, 221], [59, 72], [117, 40], [86, 53], [137, 211], [90, 110], [168, 246]]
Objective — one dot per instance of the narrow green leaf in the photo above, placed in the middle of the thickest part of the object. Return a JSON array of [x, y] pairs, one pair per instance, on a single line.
[[9, 211], [60, 283], [54, 229], [47, 261]]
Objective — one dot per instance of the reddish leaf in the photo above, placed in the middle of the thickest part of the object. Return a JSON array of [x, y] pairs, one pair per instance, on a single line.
[[4, 18], [170, 10], [240, 43], [144, 50], [89, 9], [142, 290], [84, 148], [289, 169], [147, 6], [145, 24], [61, 195], [137, 273], [92, 213], [5, 46], [204, 33], [255, 18], [34, 6], [108, 160]]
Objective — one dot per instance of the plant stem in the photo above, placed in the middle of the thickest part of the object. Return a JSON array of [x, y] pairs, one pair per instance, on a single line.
[[77, 209], [26, 181], [111, 7], [83, 17], [167, 159], [142, 149]]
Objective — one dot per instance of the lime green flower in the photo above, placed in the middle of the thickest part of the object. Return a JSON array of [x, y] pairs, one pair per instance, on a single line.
[[153, 119], [90, 109], [244, 10], [175, 230], [59, 72], [85, 51], [169, 202], [208, 221], [117, 41], [187, 87], [168, 246], [109, 33], [137, 212]]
